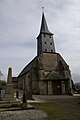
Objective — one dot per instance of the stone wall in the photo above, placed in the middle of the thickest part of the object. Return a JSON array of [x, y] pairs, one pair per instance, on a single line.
[[39, 68], [48, 61]]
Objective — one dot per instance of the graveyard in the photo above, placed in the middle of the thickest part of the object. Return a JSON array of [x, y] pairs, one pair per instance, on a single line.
[[47, 108], [40, 107]]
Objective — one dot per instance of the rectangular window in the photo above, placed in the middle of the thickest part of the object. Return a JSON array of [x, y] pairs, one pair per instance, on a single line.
[[44, 35], [50, 43]]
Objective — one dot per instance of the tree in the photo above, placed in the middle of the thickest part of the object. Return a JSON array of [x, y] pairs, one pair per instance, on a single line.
[[77, 87], [1, 74], [2, 84]]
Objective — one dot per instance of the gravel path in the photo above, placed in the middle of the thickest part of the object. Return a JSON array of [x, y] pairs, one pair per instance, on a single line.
[[23, 115]]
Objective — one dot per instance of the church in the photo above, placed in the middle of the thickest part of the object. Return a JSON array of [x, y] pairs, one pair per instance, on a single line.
[[47, 73]]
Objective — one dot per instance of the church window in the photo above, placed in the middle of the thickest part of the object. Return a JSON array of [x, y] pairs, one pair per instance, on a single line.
[[45, 42], [50, 43], [45, 49], [44, 35]]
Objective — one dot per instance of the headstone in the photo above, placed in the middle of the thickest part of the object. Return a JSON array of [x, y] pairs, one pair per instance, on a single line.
[[24, 97], [17, 94], [0, 94], [24, 104]]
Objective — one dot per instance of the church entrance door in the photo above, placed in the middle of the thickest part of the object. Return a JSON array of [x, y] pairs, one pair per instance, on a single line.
[[56, 87]]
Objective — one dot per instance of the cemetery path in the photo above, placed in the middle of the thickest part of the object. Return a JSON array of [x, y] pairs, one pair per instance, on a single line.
[[23, 115]]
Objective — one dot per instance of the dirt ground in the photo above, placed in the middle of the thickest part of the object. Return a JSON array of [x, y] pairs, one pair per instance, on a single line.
[[67, 103]]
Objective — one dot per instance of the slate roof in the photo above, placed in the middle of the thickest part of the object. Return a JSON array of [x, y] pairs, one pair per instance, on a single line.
[[44, 27], [27, 67]]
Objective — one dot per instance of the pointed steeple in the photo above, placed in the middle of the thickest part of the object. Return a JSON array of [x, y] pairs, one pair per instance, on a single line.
[[44, 27], [45, 42]]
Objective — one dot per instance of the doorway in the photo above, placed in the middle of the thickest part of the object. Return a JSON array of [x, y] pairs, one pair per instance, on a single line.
[[56, 87]]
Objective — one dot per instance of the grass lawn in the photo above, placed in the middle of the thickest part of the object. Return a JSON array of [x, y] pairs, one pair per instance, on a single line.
[[55, 112]]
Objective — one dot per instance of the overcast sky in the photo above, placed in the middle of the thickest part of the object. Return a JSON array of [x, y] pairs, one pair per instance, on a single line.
[[20, 24]]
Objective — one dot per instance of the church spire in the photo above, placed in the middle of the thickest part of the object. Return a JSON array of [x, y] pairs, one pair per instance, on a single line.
[[44, 27], [45, 42]]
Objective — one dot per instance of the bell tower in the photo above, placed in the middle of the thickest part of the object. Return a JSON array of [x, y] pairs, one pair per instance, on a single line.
[[45, 42]]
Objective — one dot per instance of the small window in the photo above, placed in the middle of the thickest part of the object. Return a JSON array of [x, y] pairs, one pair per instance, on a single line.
[[50, 43], [45, 49], [45, 42], [50, 36], [51, 50], [44, 35]]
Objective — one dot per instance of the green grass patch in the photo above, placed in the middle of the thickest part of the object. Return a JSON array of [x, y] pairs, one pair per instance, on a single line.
[[54, 112]]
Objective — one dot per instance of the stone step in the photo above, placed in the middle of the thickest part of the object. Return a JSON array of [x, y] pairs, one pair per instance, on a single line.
[[30, 106], [8, 104], [10, 109], [16, 108]]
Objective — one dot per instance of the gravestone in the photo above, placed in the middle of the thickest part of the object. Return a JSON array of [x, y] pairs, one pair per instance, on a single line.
[[17, 94], [24, 105], [0, 93]]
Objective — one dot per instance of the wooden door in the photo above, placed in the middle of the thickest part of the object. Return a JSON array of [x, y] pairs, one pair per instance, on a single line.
[[56, 87]]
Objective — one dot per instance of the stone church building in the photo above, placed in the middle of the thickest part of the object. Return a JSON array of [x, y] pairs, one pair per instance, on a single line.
[[47, 73]]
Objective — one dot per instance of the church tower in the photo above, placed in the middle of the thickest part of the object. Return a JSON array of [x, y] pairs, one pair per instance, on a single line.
[[45, 42]]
